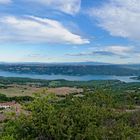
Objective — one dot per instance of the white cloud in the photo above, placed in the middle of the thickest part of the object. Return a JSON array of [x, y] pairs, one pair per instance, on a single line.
[[35, 29], [5, 1], [120, 51], [119, 17], [66, 6]]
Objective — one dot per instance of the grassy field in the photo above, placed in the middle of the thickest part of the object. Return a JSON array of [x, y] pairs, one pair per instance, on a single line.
[[19, 90], [25, 90]]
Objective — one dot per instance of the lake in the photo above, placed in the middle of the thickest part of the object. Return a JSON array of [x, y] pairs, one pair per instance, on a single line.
[[70, 78]]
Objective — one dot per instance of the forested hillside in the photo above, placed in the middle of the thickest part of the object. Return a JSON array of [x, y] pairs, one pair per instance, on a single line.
[[102, 110], [96, 116], [120, 70]]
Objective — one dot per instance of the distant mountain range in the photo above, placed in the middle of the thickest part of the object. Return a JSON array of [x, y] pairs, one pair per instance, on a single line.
[[60, 63], [67, 63], [82, 63]]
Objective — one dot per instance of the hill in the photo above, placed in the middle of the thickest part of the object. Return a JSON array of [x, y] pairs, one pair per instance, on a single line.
[[72, 69]]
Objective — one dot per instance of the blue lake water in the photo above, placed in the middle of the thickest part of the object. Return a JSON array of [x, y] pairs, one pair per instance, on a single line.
[[70, 78]]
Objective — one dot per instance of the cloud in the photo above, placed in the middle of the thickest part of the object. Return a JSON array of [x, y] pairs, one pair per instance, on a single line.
[[105, 53], [67, 6], [32, 29], [119, 17], [119, 51], [5, 1]]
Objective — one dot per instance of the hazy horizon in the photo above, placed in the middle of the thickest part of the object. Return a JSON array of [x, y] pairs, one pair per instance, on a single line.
[[84, 62]]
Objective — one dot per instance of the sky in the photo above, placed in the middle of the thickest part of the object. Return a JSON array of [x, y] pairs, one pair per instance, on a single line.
[[70, 31]]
